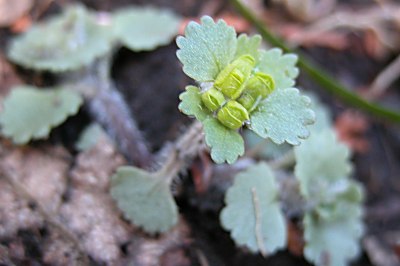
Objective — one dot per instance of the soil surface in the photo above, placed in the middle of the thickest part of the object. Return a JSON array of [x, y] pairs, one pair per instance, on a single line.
[[88, 228]]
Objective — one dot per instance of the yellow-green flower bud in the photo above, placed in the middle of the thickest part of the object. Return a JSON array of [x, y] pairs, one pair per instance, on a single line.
[[257, 87], [213, 99], [232, 115], [232, 78]]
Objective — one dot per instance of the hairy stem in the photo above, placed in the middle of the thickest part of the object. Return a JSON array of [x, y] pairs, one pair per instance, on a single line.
[[108, 107], [184, 149], [316, 72]]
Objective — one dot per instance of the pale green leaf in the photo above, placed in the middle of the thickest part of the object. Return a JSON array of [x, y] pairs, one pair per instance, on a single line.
[[206, 48], [145, 199], [226, 144], [281, 67], [332, 242], [252, 211], [322, 163], [30, 113], [192, 105], [145, 28], [89, 137], [65, 42], [266, 149], [283, 116], [339, 200], [248, 45]]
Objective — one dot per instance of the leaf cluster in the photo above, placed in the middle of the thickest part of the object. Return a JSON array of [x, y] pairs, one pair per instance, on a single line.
[[329, 201], [69, 41], [205, 51], [77, 37]]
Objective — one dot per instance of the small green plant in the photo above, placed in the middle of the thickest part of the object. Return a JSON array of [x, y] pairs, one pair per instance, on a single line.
[[241, 86], [77, 47], [241, 91]]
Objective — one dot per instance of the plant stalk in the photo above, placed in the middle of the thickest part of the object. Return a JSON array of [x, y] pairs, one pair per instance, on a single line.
[[108, 107]]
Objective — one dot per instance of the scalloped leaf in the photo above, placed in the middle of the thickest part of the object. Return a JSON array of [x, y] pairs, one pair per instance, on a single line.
[[320, 172], [323, 116], [332, 242], [226, 144], [145, 28], [192, 105], [206, 49], [282, 67], [248, 45], [145, 199], [252, 212], [65, 42], [283, 116], [30, 113]]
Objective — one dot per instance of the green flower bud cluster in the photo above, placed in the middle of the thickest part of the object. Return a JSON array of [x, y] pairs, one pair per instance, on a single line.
[[237, 91]]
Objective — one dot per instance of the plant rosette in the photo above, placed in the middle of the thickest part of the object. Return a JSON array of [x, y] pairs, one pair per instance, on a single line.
[[240, 85]]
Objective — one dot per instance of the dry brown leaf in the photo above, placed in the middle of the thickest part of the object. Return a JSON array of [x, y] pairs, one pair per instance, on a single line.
[[307, 10], [239, 23], [8, 77], [11, 10], [351, 127], [295, 239]]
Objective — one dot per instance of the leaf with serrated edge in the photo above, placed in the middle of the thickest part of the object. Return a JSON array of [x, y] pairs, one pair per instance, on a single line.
[[65, 42], [226, 144], [323, 116], [191, 103], [333, 242], [145, 199], [30, 113], [206, 49], [145, 28], [252, 211], [281, 67], [248, 45], [318, 170], [283, 116]]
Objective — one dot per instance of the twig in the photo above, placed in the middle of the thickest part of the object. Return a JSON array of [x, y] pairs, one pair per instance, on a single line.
[[257, 227], [316, 72], [9, 175], [385, 78]]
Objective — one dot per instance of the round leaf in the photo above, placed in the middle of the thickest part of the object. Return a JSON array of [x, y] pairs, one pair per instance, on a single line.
[[145, 199], [281, 67], [145, 28], [66, 42], [332, 243], [30, 113], [321, 163], [283, 116], [206, 49], [252, 211], [191, 103], [226, 144]]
